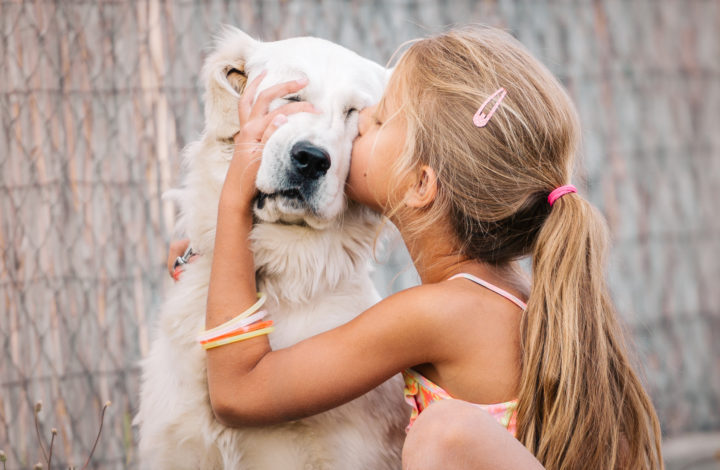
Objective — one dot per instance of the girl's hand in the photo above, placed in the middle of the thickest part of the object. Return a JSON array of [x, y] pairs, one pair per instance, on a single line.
[[176, 250], [257, 124]]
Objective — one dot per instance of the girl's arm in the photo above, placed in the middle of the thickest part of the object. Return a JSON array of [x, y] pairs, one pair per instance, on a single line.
[[252, 385], [249, 383]]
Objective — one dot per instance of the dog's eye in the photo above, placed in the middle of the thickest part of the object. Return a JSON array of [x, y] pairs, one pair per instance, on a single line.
[[349, 111], [295, 98]]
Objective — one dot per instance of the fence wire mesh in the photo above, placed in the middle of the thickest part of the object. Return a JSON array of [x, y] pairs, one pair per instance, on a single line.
[[98, 98]]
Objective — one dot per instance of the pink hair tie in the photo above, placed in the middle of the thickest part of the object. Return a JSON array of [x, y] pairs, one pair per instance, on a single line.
[[559, 192], [481, 119]]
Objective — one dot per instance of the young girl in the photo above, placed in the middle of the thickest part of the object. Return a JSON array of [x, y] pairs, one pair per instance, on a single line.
[[469, 153]]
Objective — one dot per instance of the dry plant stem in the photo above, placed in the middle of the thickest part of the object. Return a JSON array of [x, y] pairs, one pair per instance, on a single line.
[[52, 441], [97, 438], [38, 407]]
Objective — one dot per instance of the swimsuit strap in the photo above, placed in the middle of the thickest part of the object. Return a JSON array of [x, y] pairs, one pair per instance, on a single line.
[[493, 288]]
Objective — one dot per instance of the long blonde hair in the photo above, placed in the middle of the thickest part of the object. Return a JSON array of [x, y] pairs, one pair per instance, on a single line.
[[581, 404]]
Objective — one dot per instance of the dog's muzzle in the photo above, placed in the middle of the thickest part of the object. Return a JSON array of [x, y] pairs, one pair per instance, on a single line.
[[295, 195]]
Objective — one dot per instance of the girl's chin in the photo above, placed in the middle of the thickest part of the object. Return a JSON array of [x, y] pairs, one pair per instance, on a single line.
[[360, 194]]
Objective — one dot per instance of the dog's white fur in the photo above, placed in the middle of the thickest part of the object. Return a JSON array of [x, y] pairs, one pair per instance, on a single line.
[[312, 257]]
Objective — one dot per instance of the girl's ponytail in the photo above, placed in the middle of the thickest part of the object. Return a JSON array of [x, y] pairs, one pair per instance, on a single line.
[[580, 403]]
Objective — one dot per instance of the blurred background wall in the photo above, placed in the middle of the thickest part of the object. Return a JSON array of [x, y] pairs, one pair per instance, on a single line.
[[97, 98]]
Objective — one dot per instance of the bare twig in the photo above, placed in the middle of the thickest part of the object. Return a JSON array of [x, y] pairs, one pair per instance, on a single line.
[[52, 441], [97, 438], [38, 407]]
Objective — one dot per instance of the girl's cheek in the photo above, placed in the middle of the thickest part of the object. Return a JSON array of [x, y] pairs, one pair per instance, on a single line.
[[357, 178], [355, 162]]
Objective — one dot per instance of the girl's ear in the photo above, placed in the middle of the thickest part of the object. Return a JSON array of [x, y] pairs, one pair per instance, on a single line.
[[423, 192]]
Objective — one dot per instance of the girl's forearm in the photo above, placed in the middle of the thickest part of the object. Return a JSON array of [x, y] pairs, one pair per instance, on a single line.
[[232, 290], [232, 279]]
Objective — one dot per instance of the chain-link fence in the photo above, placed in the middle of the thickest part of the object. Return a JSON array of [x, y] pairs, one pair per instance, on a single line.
[[98, 98]]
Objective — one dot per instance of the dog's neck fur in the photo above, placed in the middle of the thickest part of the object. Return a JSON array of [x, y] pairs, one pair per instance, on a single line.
[[297, 263]]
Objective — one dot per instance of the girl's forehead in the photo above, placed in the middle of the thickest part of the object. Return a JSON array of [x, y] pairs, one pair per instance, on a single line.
[[390, 100], [398, 88]]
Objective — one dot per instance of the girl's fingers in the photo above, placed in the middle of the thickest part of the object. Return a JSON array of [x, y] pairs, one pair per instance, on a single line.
[[277, 121], [297, 107], [262, 104], [177, 248], [245, 101], [279, 116], [256, 130], [290, 108]]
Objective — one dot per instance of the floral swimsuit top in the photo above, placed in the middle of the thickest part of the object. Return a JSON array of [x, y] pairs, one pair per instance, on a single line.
[[420, 392]]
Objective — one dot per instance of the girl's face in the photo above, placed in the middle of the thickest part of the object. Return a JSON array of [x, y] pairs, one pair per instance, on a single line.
[[379, 143]]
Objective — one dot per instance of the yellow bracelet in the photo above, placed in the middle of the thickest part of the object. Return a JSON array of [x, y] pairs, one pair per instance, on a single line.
[[254, 308], [234, 339]]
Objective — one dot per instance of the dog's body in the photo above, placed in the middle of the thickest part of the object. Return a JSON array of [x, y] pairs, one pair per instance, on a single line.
[[312, 251]]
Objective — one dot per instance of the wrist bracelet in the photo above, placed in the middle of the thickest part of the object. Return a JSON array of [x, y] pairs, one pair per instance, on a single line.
[[235, 321], [235, 338]]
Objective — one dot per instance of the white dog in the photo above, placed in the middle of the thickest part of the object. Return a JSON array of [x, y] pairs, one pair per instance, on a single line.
[[312, 248]]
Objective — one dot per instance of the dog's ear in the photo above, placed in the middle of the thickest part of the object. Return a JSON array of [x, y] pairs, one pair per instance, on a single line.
[[237, 79], [225, 76]]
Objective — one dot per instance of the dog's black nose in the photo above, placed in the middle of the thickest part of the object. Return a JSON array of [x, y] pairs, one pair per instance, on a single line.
[[309, 160]]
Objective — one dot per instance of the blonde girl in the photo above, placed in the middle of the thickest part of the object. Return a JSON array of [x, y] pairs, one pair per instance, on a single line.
[[470, 154]]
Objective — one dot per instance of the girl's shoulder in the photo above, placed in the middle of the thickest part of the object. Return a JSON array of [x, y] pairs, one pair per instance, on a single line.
[[470, 311], [416, 318], [434, 302], [446, 315], [432, 310], [452, 300]]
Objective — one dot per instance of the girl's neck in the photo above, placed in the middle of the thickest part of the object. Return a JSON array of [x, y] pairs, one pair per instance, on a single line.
[[436, 257], [435, 254]]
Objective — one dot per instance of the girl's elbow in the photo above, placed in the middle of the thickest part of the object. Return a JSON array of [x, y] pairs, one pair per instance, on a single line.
[[225, 413], [235, 412]]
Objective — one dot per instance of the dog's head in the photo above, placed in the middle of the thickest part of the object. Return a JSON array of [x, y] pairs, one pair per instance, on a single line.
[[305, 162]]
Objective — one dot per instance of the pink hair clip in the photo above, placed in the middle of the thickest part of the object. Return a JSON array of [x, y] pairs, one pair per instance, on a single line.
[[481, 119]]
